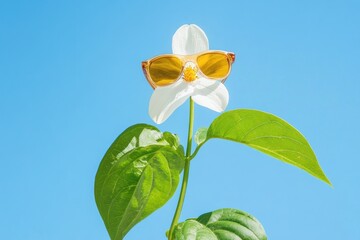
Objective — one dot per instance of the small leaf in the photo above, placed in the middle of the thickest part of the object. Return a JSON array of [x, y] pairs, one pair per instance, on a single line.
[[200, 135], [268, 134], [222, 224], [138, 174]]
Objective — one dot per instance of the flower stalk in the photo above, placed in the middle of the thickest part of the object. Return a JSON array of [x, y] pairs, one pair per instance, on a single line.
[[186, 172]]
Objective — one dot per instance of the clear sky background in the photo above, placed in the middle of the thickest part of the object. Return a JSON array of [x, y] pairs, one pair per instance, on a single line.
[[71, 82]]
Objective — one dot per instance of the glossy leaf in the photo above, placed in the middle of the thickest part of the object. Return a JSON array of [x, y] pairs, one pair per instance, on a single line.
[[222, 224], [268, 134], [138, 174]]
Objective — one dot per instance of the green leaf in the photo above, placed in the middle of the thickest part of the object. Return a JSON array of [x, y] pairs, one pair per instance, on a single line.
[[138, 174], [222, 224], [200, 135], [268, 134]]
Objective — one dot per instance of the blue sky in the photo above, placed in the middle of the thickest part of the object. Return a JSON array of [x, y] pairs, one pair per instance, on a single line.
[[71, 82]]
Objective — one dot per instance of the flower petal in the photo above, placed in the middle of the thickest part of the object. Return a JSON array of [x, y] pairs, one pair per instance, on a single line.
[[166, 99], [189, 39], [211, 94]]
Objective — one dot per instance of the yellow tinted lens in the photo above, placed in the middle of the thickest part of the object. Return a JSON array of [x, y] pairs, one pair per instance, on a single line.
[[214, 65], [165, 70]]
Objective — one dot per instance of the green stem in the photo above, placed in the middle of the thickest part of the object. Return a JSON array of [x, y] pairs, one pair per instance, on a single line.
[[196, 151], [186, 172]]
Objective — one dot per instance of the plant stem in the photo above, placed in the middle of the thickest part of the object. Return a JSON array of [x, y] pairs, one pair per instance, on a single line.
[[186, 171]]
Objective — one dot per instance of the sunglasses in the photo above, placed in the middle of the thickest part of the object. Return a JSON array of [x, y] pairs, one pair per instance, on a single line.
[[166, 69]]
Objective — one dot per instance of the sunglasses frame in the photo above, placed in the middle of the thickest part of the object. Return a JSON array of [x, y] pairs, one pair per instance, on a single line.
[[185, 59]]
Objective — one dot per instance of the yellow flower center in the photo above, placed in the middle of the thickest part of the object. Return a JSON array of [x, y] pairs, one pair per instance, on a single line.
[[189, 73]]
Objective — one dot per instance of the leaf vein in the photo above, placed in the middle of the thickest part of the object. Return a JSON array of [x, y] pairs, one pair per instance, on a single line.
[[258, 126]]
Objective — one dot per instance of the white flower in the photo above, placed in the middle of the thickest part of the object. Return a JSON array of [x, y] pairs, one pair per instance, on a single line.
[[188, 40]]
